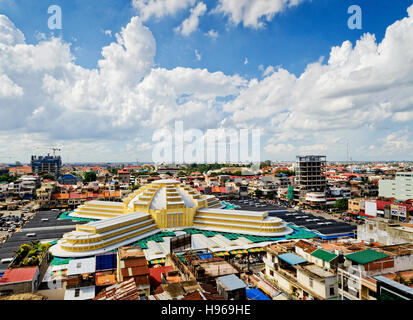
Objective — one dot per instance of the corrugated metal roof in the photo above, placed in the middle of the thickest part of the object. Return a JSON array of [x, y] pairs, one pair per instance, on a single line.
[[125, 290], [366, 256], [18, 275], [324, 255], [291, 258], [81, 266], [105, 280], [232, 282]]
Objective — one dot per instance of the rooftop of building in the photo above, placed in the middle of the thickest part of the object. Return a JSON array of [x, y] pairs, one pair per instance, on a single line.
[[81, 266], [324, 255], [395, 284], [348, 247], [366, 256], [217, 268], [405, 275], [397, 249], [291, 258], [231, 282], [315, 271], [177, 289], [105, 279], [303, 244], [131, 252], [125, 290], [18, 275]]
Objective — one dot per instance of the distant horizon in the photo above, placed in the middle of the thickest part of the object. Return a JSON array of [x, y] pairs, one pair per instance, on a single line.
[[152, 163]]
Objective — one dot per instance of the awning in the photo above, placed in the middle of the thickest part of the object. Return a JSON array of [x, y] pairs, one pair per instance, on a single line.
[[157, 261], [255, 250], [238, 252], [221, 254]]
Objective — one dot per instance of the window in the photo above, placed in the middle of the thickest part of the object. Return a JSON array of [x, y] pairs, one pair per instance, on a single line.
[[311, 282], [332, 291], [271, 273], [77, 292]]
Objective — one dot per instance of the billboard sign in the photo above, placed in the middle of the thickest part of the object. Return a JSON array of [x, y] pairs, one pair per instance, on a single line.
[[370, 209], [394, 210], [400, 211]]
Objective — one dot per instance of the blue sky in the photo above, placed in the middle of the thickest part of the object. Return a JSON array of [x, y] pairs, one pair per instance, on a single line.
[[292, 38]]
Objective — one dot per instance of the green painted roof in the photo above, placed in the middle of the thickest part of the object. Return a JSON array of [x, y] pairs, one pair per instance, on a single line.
[[366, 256], [324, 255]]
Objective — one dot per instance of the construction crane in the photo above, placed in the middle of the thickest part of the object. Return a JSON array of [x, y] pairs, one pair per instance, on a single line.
[[50, 148]]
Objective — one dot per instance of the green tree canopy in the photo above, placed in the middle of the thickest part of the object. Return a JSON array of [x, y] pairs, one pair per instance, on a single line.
[[258, 193], [48, 176], [341, 204], [89, 176], [7, 177]]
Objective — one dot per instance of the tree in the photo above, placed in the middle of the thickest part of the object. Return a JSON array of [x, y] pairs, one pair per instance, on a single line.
[[152, 174], [287, 172], [264, 164], [258, 193], [134, 187], [89, 176], [48, 176], [114, 171], [270, 195], [341, 204], [7, 177]]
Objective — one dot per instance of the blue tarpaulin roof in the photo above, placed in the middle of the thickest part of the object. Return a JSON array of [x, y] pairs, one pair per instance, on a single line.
[[205, 256], [291, 258], [256, 294]]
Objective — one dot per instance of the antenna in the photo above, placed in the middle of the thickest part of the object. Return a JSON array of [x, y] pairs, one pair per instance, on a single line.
[[347, 151]]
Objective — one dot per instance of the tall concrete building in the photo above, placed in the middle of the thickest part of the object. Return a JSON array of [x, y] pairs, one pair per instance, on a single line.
[[46, 165], [399, 188], [309, 175]]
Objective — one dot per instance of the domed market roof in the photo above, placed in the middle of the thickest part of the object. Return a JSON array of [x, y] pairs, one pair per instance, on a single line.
[[162, 192]]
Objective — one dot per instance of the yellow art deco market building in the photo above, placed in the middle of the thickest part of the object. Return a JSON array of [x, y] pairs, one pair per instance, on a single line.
[[164, 205]]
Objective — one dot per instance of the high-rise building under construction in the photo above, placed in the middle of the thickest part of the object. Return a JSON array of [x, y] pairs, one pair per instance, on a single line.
[[310, 175]]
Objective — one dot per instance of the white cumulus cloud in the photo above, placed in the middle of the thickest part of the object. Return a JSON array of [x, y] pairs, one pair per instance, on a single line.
[[253, 13], [190, 24], [160, 8]]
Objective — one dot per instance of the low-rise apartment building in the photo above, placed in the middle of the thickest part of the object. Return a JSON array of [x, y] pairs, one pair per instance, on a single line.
[[400, 188], [356, 275], [298, 277]]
